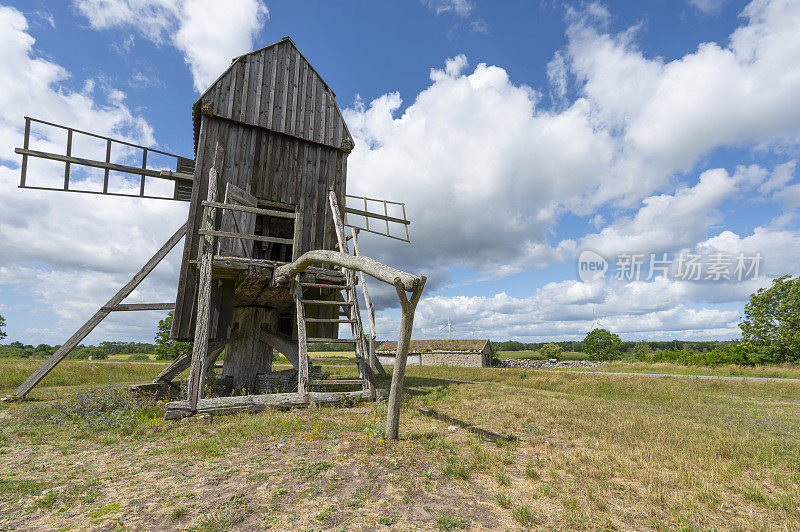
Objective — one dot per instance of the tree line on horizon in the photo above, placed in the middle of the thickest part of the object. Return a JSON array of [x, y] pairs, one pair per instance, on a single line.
[[770, 335]]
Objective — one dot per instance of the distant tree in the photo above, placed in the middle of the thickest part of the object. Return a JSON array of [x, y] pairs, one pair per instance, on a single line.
[[2, 325], [601, 344], [641, 349], [550, 350], [167, 348], [85, 352], [772, 321], [512, 345]]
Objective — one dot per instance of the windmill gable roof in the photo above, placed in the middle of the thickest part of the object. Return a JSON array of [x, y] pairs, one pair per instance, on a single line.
[[276, 88], [418, 346]]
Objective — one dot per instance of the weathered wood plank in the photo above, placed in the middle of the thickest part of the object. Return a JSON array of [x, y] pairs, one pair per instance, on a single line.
[[259, 403], [206, 257], [236, 221], [258, 238], [269, 109], [302, 351], [140, 306], [284, 346]]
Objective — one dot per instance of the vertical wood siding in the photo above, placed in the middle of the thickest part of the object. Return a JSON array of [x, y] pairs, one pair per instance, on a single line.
[[271, 167], [277, 88]]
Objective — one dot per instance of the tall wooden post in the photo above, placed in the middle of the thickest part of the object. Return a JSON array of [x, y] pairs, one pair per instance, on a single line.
[[197, 372], [373, 360], [408, 307], [302, 344]]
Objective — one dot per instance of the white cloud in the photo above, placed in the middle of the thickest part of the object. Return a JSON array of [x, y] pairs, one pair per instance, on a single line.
[[667, 222], [462, 8], [68, 253], [569, 309], [487, 171], [708, 7], [482, 170], [209, 33]]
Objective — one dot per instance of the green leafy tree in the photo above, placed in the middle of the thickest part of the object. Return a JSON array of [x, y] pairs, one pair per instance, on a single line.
[[167, 348], [772, 321], [641, 349], [601, 344], [2, 325], [550, 350], [512, 345]]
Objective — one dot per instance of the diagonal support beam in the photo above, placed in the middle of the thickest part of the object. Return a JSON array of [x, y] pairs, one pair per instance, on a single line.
[[95, 320]]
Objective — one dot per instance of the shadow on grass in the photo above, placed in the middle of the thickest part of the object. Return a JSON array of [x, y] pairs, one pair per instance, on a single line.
[[418, 385], [483, 433]]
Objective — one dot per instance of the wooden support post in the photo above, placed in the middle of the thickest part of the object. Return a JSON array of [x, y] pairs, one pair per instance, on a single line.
[[302, 345], [87, 327], [408, 307], [249, 354], [206, 252], [373, 360], [286, 347]]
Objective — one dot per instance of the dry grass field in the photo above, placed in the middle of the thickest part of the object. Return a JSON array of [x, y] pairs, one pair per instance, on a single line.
[[572, 451]]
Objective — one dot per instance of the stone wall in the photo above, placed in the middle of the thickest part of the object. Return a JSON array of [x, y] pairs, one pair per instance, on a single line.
[[441, 358], [451, 358]]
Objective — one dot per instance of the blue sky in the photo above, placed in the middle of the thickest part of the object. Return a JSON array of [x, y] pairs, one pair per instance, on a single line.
[[518, 134]]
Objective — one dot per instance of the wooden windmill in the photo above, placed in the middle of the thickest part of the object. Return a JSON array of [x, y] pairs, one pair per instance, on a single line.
[[266, 261]]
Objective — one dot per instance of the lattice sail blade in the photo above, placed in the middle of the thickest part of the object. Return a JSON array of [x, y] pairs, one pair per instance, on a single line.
[[381, 217], [95, 164]]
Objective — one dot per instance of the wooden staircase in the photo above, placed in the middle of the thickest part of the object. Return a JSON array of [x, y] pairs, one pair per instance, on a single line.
[[343, 298]]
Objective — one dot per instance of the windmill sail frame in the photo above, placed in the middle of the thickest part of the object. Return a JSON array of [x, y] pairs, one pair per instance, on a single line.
[[366, 213], [183, 174]]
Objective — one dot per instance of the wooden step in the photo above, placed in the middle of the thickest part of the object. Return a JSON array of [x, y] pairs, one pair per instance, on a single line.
[[321, 302], [328, 320], [332, 340], [335, 382], [323, 285], [322, 361]]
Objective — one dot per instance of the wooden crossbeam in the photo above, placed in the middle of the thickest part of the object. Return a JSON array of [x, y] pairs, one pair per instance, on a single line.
[[246, 208], [174, 176], [259, 238], [95, 320], [384, 217], [140, 306], [285, 346]]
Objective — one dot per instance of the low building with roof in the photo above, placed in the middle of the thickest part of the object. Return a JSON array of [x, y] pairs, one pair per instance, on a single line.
[[466, 353]]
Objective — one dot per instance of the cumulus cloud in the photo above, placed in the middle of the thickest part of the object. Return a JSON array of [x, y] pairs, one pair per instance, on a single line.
[[208, 33], [570, 309], [667, 222], [708, 7], [71, 252], [508, 168], [489, 171]]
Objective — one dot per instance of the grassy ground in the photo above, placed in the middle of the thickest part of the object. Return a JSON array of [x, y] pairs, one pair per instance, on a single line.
[[535, 355], [588, 452], [790, 371]]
